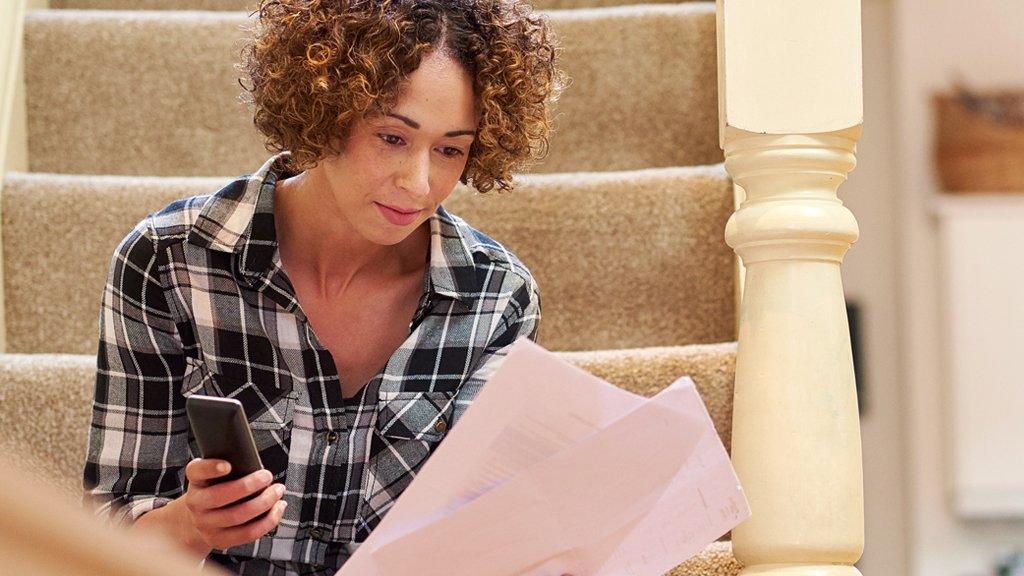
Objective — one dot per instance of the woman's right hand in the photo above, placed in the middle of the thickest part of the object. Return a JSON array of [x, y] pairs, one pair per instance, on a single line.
[[211, 519]]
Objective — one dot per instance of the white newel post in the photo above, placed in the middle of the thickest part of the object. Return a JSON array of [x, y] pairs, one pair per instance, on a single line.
[[790, 116]]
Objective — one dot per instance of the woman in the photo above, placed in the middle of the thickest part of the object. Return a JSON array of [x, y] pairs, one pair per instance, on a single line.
[[329, 291]]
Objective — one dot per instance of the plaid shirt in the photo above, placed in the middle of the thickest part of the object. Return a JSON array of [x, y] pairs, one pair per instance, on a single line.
[[196, 302]]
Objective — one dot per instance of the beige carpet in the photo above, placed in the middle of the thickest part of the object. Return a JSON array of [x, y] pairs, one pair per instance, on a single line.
[[633, 104], [623, 259], [46, 399]]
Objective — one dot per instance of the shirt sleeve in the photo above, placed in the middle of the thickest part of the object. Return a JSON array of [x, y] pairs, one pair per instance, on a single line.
[[521, 319], [138, 435]]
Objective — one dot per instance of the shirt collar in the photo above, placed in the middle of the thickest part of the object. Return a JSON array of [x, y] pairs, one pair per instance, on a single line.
[[239, 218]]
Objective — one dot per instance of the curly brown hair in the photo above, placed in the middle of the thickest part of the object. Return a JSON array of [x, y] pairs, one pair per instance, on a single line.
[[316, 66]]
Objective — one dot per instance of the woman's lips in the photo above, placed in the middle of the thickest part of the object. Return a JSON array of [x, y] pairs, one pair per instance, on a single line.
[[397, 217]]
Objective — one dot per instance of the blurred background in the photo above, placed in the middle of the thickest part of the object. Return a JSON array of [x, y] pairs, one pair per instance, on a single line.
[[936, 278]]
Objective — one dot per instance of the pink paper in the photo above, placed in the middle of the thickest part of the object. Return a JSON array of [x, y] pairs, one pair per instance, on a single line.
[[553, 470]]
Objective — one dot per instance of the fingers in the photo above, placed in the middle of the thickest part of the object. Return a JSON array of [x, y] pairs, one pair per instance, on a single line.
[[250, 531], [220, 511], [237, 514], [201, 471], [225, 493]]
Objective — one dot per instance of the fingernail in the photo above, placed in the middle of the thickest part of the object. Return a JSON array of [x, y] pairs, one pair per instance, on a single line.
[[265, 475], [223, 467], [284, 504], [279, 489]]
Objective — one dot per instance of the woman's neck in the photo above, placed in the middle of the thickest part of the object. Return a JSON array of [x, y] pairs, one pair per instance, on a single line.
[[322, 244]]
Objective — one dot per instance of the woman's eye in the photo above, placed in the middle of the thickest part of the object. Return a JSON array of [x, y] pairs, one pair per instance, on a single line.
[[394, 140]]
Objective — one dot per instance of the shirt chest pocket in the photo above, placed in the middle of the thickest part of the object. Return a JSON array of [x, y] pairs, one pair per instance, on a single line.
[[266, 404], [409, 427], [268, 408], [405, 415]]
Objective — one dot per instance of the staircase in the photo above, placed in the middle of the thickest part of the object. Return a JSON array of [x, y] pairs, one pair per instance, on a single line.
[[134, 103]]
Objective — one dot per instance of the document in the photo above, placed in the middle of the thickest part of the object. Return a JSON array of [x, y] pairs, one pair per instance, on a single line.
[[552, 471]]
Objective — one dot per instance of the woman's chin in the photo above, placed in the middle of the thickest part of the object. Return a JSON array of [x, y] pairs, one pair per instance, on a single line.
[[387, 234]]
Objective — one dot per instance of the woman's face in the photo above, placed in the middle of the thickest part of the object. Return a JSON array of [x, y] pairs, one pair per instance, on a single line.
[[410, 159]]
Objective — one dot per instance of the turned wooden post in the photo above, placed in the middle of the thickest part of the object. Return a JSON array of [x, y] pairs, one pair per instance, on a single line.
[[791, 114]]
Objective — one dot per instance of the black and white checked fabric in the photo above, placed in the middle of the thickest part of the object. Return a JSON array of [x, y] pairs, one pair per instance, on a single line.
[[196, 301]]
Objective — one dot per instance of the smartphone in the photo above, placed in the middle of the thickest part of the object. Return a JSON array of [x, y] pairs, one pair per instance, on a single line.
[[222, 431]]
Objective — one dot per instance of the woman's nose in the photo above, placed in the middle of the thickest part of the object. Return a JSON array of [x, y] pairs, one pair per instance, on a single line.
[[416, 175]]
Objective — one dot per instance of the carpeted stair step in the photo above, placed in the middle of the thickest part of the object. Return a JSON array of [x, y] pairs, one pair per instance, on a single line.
[[644, 91], [46, 399], [715, 560], [46, 408], [646, 371], [624, 259]]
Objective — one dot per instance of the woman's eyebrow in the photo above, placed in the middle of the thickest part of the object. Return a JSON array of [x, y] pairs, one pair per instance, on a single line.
[[416, 126]]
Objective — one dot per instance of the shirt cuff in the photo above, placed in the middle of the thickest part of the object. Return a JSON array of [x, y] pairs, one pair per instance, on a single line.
[[138, 506]]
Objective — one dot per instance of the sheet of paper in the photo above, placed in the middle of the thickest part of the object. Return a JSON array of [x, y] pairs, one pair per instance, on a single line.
[[553, 470]]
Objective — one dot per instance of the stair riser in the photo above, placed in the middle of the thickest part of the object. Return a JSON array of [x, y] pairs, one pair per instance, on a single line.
[[156, 93]]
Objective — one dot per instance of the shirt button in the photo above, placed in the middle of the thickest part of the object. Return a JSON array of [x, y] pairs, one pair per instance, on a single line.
[[316, 533], [440, 426], [332, 436]]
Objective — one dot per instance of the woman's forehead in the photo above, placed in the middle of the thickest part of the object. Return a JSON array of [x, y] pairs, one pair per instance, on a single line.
[[449, 118]]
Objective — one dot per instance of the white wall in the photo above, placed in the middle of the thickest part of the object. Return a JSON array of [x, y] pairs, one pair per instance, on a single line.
[[870, 277], [934, 39]]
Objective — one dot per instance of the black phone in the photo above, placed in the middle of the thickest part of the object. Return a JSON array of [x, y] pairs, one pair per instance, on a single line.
[[222, 431]]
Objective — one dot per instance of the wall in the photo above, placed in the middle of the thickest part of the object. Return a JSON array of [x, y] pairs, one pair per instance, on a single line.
[[934, 39], [870, 279]]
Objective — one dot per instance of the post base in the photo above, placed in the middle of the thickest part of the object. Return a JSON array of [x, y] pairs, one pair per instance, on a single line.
[[800, 570]]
